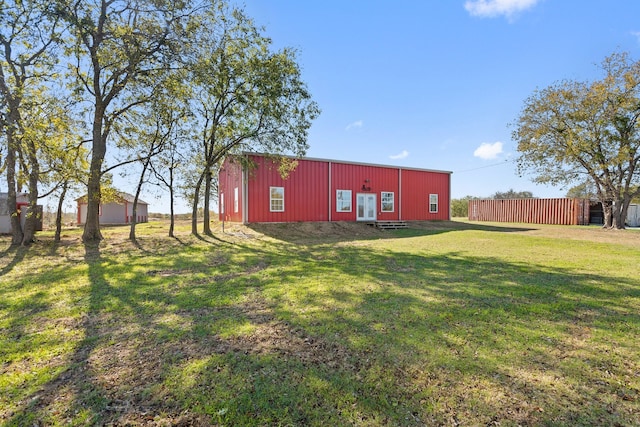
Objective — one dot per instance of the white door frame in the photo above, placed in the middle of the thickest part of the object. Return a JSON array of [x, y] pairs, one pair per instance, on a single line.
[[366, 207]]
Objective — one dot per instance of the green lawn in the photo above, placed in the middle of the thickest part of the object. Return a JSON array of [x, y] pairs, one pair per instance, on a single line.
[[448, 323]]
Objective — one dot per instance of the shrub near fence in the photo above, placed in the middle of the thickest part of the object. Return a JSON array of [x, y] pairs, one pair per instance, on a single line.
[[562, 211]]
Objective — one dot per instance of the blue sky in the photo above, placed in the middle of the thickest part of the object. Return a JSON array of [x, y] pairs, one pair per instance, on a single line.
[[435, 84]]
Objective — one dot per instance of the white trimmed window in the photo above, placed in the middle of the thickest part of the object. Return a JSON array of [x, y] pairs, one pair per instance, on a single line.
[[433, 203], [386, 201], [276, 199], [235, 199], [343, 200], [222, 203]]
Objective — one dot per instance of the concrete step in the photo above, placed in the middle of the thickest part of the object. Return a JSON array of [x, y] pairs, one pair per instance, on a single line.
[[384, 225]]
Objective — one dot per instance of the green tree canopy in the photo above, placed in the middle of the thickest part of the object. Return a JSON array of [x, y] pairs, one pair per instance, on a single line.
[[118, 51], [573, 130], [131, 66], [29, 34], [512, 194], [584, 190], [246, 96], [460, 207]]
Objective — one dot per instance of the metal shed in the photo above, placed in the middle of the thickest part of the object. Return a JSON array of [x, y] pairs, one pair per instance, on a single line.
[[633, 216], [117, 212], [22, 202]]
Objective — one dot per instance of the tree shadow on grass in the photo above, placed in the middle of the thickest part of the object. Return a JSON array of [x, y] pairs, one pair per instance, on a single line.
[[326, 232], [18, 255], [467, 336], [346, 336]]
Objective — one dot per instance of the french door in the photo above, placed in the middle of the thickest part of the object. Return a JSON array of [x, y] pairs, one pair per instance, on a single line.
[[365, 207]]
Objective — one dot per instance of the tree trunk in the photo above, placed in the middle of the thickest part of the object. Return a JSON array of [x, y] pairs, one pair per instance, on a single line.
[[134, 211], [171, 216], [12, 196], [620, 212], [194, 214], [31, 219], [134, 218], [607, 210], [10, 123], [92, 224], [58, 232], [32, 211], [196, 200], [206, 214], [625, 208]]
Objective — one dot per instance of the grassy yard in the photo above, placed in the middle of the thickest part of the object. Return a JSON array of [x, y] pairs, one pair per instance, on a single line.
[[448, 323]]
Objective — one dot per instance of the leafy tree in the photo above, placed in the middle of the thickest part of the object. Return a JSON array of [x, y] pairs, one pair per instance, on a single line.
[[120, 48], [240, 94], [68, 170], [28, 35], [584, 190], [460, 207], [171, 124], [572, 130], [512, 194], [165, 169], [152, 131], [57, 162], [245, 97]]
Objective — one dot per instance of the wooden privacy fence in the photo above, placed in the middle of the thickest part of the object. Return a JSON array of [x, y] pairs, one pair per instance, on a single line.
[[533, 211]]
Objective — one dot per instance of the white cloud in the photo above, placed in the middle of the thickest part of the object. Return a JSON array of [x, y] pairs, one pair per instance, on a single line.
[[488, 151], [492, 8], [355, 125], [402, 155], [636, 34]]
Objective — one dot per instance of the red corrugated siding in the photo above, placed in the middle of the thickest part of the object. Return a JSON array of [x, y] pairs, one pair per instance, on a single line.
[[310, 194], [534, 211], [374, 179], [305, 191], [416, 188], [230, 177]]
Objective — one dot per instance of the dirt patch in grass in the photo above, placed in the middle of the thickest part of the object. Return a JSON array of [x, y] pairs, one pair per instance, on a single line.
[[274, 336], [119, 369], [314, 232]]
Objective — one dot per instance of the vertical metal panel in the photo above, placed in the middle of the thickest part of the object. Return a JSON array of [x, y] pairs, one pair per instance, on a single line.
[[364, 179], [416, 187], [305, 191], [633, 216], [112, 214], [310, 190], [81, 218], [400, 217], [329, 201], [561, 211]]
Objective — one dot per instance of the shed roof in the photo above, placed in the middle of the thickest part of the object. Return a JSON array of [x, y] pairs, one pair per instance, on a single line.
[[121, 195], [346, 162]]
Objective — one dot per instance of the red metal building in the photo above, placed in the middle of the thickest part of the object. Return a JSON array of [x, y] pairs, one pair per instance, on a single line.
[[330, 190]]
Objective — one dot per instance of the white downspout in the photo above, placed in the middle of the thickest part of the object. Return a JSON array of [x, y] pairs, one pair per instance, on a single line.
[[399, 194], [329, 191], [245, 196]]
